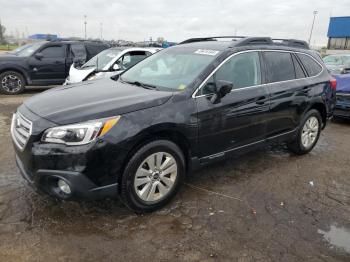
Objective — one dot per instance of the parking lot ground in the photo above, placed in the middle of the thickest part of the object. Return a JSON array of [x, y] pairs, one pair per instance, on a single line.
[[268, 205]]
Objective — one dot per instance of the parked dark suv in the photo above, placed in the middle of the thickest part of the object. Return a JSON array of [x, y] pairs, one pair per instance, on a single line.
[[43, 63], [182, 108]]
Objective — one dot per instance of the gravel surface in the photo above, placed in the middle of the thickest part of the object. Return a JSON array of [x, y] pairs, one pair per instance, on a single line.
[[268, 205]]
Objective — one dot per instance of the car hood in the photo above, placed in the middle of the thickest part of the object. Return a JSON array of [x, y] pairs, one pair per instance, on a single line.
[[10, 58], [93, 100]]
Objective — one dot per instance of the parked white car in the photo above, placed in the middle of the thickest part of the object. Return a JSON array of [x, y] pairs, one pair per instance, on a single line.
[[108, 63]]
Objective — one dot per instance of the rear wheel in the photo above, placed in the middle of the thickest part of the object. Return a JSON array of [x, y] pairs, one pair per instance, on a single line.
[[153, 176], [11, 83], [308, 133]]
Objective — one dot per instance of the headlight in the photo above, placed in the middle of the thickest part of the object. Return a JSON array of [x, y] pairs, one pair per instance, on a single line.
[[79, 134], [92, 77], [95, 76]]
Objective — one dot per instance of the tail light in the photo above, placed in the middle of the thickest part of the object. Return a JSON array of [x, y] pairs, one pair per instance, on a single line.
[[333, 83]]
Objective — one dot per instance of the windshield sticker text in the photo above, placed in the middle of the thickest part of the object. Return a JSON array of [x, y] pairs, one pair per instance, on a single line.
[[206, 52]]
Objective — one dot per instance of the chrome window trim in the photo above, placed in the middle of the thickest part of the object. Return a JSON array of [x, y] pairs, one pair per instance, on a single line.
[[194, 94]]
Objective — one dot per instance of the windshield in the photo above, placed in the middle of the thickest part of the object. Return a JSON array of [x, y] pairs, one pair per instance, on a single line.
[[102, 59], [27, 50], [174, 68], [333, 60]]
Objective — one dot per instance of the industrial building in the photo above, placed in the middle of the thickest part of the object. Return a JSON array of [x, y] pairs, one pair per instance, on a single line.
[[339, 33]]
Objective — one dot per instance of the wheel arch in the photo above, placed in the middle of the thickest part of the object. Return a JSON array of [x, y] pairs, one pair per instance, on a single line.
[[17, 70], [322, 109], [158, 133]]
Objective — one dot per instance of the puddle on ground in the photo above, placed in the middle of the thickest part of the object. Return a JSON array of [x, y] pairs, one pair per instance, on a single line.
[[338, 237]]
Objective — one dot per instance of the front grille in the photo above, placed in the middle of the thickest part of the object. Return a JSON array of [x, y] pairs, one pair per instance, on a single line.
[[21, 130]]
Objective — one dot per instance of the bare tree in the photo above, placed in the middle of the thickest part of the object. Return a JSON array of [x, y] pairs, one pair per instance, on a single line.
[[2, 34]]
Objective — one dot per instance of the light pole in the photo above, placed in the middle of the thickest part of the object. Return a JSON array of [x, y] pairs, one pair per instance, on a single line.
[[312, 27], [101, 30], [85, 23]]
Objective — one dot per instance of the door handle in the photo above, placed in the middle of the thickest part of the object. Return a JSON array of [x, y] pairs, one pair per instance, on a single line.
[[261, 100]]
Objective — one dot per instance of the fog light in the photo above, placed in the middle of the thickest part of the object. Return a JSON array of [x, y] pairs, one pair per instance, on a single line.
[[64, 187]]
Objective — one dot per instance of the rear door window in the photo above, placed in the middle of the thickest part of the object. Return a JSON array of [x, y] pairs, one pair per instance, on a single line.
[[94, 48], [280, 66], [311, 66], [78, 51]]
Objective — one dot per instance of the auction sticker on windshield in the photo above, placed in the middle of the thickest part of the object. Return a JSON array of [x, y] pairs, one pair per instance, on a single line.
[[206, 52]]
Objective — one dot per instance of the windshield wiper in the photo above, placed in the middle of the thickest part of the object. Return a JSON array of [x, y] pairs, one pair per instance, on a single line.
[[137, 83]]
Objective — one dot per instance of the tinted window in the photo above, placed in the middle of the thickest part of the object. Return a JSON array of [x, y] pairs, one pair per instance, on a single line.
[[54, 52], [299, 72], [78, 51], [94, 49], [242, 70], [279, 66], [311, 66]]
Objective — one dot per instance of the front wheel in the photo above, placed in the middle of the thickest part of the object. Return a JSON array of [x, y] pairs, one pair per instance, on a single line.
[[308, 133], [11, 83], [153, 176]]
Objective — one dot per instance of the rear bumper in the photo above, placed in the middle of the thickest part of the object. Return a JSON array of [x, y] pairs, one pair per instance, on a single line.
[[45, 181], [342, 110]]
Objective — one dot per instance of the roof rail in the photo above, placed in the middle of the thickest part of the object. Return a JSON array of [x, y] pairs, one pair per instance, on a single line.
[[74, 40], [255, 41], [244, 41], [210, 38], [293, 43]]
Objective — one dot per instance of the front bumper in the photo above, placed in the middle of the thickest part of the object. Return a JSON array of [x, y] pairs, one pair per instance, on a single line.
[[45, 181]]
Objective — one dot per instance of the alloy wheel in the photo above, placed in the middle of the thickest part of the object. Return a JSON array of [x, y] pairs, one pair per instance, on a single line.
[[310, 132], [155, 177], [11, 83]]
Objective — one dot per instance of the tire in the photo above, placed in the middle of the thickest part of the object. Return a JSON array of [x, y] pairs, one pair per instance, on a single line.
[[11, 83], [145, 191], [300, 145]]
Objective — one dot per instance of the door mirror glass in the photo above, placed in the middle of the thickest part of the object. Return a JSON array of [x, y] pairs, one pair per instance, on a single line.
[[222, 88], [39, 56]]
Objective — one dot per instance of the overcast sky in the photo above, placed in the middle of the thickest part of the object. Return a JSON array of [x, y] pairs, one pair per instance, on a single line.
[[175, 20]]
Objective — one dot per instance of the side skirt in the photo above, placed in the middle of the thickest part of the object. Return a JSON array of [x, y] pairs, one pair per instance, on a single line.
[[278, 139]]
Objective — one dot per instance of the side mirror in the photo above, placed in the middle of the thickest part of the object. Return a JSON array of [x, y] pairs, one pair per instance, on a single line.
[[116, 67], [222, 89], [39, 56]]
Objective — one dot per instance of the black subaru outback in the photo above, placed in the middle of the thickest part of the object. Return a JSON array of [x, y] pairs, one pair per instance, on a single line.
[[201, 101]]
